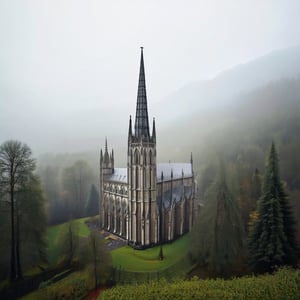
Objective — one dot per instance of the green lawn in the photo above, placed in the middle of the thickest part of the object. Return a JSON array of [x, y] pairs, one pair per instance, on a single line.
[[54, 233], [147, 260]]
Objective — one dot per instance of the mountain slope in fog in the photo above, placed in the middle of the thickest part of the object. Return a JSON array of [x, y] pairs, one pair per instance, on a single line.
[[271, 112], [221, 91]]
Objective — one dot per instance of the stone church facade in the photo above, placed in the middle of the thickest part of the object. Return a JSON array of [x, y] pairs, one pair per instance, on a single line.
[[146, 203]]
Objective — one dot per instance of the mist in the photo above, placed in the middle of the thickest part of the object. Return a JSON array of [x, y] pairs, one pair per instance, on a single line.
[[69, 69]]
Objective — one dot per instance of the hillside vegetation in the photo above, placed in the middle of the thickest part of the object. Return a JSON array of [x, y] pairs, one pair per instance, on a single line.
[[285, 284]]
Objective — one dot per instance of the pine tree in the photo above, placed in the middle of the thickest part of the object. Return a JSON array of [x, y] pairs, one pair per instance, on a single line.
[[256, 185], [217, 237], [92, 205], [272, 236]]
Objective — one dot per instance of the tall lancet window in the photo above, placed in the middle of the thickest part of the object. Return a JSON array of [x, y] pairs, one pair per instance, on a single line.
[[136, 157], [137, 177]]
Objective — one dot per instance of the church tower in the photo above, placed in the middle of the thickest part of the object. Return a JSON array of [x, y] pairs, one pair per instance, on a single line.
[[141, 172]]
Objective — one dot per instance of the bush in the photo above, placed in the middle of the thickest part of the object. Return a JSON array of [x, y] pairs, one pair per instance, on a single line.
[[284, 284]]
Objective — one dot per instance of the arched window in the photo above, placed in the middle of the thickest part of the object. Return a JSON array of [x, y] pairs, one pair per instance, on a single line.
[[136, 157], [150, 157], [137, 177], [145, 158]]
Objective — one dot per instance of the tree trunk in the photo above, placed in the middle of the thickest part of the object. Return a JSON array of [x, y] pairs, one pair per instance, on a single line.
[[12, 243], [18, 258], [95, 271]]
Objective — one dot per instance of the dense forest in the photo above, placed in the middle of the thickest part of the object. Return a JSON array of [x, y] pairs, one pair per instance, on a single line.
[[70, 183]]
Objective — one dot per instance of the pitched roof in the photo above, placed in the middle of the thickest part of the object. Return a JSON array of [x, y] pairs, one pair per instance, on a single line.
[[178, 170], [119, 175]]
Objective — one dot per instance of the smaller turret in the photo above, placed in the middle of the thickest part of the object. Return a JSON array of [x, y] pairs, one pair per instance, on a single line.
[[153, 131], [130, 131], [192, 166], [107, 161], [101, 157]]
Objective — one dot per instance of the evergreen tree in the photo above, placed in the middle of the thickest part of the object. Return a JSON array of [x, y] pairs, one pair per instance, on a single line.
[[272, 236], [217, 237], [256, 185], [92, 205]]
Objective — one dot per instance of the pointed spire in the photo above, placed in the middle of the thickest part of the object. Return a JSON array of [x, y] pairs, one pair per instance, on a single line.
[[101, 156], [112, 159], [129, 131], [153, 131], [141, 127], [171, 192], [192, 166], [130, 127], [106, 155]]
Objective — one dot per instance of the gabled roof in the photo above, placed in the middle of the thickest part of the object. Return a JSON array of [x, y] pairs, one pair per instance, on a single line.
[[119, 175], [178, 169]]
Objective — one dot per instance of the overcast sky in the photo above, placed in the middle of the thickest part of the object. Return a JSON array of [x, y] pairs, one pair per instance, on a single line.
[[62, 60]]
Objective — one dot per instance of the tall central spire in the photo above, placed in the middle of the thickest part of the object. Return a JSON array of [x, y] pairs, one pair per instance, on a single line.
[[141, 127]]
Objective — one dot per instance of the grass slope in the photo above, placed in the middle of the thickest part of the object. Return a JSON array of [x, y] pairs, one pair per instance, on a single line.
[[147, 260], [54, 233]]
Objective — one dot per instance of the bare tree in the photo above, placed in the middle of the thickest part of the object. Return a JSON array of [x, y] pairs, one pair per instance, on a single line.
[[16, 167]]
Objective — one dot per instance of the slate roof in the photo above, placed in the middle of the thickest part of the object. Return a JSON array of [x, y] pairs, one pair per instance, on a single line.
[[177, 169], [120, 174]]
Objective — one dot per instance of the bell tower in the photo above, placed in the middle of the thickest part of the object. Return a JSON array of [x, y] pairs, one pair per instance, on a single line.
[[141, 169]]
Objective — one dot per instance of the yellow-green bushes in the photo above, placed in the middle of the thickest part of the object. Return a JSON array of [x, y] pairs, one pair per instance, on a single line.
[[284, 284]]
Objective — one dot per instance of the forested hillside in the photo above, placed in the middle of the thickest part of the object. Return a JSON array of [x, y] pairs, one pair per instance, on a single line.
[[242, 133]]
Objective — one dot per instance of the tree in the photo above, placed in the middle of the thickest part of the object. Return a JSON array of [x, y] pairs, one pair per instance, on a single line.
[[272, 236], [92, 205], [99, 258], [69, 243], [16, 170], [256, 186], [31, 225], [76, 182], [217, 236], [50, 183], [161, 253]]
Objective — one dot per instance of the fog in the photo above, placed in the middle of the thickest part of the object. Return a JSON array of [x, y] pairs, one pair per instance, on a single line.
[[69, 69]]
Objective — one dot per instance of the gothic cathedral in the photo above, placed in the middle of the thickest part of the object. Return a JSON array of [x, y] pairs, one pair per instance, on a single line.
[[146, 203]]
